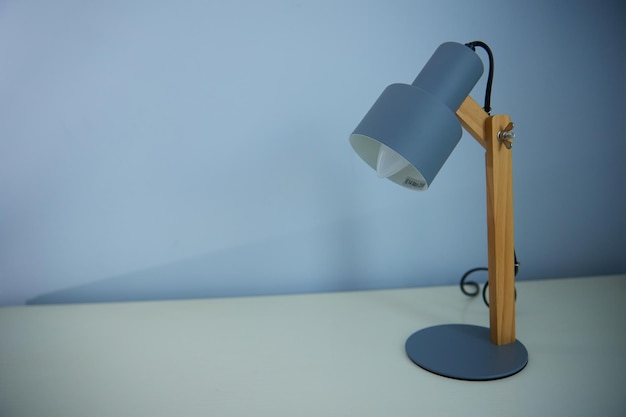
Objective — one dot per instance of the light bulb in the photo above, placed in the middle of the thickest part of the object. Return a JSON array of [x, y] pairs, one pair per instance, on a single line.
[[389, 162]]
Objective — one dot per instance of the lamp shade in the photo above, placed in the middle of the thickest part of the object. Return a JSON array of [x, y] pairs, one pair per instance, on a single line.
[[410, 131]]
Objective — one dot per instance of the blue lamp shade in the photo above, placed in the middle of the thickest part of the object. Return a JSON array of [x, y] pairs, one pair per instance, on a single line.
[[411, 130]]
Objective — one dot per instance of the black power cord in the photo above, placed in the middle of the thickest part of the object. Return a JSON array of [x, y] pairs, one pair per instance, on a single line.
[[472, 46], [464, 283], [476, 288]]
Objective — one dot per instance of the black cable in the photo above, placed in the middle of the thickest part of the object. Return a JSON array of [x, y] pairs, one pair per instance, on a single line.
[[472, 46], [476, 288], [472, 284]]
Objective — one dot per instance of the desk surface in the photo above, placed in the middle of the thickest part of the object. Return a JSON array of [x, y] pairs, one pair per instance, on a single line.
[[336, 354]]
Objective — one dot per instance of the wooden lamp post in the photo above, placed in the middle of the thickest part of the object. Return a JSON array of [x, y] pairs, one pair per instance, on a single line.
[[494, 133]]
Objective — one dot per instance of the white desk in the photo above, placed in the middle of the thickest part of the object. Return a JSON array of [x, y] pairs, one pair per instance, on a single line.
[[338, 354]]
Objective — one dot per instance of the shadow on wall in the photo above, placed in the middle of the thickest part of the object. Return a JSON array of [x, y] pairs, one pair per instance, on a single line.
[[324, 260]]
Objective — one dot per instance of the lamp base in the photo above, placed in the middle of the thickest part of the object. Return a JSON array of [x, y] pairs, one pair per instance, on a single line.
[[464, 351]]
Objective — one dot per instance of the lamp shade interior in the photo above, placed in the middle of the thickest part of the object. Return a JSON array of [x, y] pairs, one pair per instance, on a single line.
[[389, 162]]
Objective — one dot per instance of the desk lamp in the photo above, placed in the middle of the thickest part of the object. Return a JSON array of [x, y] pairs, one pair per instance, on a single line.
[[406, 136]]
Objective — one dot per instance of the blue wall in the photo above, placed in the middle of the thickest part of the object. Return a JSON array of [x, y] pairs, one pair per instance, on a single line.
[[158, 149]]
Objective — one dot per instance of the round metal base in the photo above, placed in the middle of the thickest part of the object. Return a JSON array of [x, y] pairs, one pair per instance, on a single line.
[[464, 351]]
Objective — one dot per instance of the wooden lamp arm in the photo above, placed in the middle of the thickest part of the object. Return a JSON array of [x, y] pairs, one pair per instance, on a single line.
[[486, 130], [473, 119]]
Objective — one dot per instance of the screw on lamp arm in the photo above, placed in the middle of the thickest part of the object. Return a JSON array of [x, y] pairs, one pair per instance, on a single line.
[[506, 136]]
